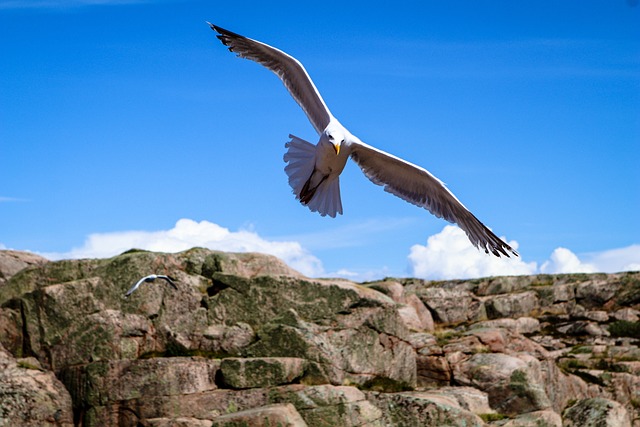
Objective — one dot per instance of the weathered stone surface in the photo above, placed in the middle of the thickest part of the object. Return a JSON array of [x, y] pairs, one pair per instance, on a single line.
[[284, 415], [101, 383], [511, 305], [545, 418], [177, 422], [379, 355], [469, 398], [261, 372], [452, 306], [514, 385], [423, 408], [31, 397], [326, 405], [521, 325], [596, 412], [11, 262]]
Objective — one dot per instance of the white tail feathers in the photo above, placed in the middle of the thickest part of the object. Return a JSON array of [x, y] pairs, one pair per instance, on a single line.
[[300, 159]]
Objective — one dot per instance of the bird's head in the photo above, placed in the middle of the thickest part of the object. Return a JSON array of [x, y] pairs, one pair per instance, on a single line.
[[335, 137]]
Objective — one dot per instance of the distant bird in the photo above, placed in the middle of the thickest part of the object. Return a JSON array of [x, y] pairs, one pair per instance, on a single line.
[[148, 279], [314, 170]]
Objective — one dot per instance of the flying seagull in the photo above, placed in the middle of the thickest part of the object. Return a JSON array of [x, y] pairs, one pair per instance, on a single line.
[[314, 170], [148, 279]]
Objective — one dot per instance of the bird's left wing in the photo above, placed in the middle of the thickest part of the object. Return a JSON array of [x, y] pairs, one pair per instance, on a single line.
[[287, 68], [419, 187]]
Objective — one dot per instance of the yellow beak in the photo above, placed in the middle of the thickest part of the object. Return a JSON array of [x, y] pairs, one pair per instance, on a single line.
[[337, 148]]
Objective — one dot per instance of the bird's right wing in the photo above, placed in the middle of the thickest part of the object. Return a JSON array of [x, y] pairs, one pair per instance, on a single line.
[[287, 68], [419, 187]]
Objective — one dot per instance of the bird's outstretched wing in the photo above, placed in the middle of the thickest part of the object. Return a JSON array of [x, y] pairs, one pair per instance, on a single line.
[[170, 280], [419, 187], [287, 68]]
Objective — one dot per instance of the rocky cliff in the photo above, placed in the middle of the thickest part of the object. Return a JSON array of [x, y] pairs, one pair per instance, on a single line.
[[246, 341]]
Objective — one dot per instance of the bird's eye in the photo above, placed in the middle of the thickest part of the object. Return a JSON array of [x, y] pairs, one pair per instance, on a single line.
[[342, 142], [331, 137]]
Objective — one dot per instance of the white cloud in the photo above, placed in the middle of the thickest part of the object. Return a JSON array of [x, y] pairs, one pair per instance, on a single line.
[[614, 260], [10, 199], [2, 247], [450, 255], [187, 234], [361, 275], [564, 261]]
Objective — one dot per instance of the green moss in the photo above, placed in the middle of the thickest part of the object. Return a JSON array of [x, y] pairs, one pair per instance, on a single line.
[[606, 365], [572, 365], [26, 365], [386, 385], [581, 349], [624, 328], [177, 351], [487, 418], [542, 284], [443, 336]]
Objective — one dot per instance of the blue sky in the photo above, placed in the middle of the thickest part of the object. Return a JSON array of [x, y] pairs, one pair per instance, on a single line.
[[126, 123]]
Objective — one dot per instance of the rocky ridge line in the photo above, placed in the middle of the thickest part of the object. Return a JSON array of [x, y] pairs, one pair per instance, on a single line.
[[248, 341]]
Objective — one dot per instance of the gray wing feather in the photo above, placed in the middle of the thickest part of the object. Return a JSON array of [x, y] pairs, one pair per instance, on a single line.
[[287, 68], [419, 187]]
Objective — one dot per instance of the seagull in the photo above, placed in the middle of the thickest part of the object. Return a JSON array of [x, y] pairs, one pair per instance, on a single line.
[[148, 279], [314, 170]]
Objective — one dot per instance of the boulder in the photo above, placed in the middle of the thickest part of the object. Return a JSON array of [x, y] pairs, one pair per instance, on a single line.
[[327, 405], [452, 306], [511, 305], [546, 418], [284, 415], [379, 355], [514, 384], [11, 262], [31, 396], [423, 408], [596, 412], [261, 372]]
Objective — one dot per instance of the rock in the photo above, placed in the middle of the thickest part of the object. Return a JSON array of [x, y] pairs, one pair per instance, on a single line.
[[595, 293], [391, 288], [583, 327], [31, 397], [452, 306], [415, 315], [546, 418], [627, 315], [261, 372], [503, 285], [422, 408], [379, 354], [106, 382], [177, 422], [562, 388], [266, 416], [599, 316], [205, 262], [11, 262], [521, 325], [326, 405], [469, 398], [511, 305], [432, 371], [596, 412], [514, 385]]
